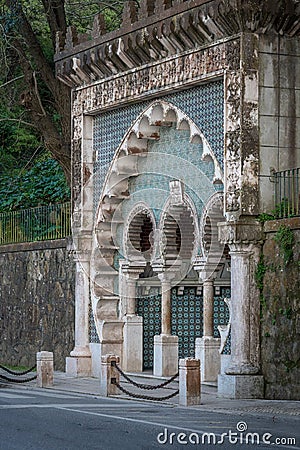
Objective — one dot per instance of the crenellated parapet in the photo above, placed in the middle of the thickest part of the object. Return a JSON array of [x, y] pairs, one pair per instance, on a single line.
[[162, 28]]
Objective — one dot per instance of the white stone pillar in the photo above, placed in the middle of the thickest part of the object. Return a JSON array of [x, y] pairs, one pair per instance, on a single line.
[[242, 378], [133, 329], [44, 369], [165, 345], [189, 382], [79, 362], [245, 310]]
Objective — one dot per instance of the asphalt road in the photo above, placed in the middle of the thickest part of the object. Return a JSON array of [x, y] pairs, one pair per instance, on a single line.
[[42, 420]]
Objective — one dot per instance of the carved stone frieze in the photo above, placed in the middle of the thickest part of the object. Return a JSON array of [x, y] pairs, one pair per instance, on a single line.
[[76, 168], [169, 74]]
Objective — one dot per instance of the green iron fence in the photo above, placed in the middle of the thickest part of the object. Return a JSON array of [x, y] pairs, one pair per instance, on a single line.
[[287, 193], [35, 224]]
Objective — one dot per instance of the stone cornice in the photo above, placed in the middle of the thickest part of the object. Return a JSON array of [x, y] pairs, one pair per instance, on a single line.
[[166, 31], [170, 74]]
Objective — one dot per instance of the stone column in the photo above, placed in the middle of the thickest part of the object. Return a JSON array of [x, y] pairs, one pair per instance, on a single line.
[[79, 362], [165, 345], [208, 307], [165, 305], [207, 347], [133, 324], [242, 378], [133, 328]]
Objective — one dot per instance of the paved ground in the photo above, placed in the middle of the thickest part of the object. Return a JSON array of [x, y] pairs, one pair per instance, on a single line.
[[72, 415]]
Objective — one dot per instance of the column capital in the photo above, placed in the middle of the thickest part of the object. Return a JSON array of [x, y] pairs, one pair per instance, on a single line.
[[241, 232], [208, 268], [131, 270]]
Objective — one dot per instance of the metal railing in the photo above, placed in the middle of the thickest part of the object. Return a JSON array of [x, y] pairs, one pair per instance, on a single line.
[[36, 224], [287, 193]]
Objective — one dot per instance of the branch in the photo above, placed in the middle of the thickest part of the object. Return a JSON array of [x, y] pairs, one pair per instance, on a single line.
[[33, 45], [11, 81], [19, 121], [38, 94]]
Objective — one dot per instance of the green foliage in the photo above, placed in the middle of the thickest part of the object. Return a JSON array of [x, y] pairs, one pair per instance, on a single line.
[[264, 217], [282, 209], [285, 240], [42, 184], [18, 142], [260, 273], [290, 364], [288, 312]]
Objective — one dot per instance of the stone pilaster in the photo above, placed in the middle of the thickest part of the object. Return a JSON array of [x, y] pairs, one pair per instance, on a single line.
[[241, 134]]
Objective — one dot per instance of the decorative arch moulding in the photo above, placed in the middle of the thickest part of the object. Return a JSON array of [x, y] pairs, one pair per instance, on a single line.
[[158, 78]]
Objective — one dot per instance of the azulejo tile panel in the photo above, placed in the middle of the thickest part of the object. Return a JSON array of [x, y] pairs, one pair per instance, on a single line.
[[203, 104], [186, 317]]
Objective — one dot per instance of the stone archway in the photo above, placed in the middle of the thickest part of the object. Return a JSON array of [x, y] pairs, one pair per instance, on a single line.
[[125, 166]]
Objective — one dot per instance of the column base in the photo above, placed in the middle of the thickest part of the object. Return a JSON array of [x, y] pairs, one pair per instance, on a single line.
[[165, 355], [133, 344], [207, 350], [79, 363], [79, 366], [225, 363], [241, 386]]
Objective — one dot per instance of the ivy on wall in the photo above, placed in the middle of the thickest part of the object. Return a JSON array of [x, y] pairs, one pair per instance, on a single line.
[[43, 184]]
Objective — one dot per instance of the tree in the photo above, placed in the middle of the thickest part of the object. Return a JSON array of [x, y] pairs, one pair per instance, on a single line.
[[29, 30]]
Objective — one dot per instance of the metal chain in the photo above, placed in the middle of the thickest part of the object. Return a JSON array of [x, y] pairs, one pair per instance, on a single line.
[[144, 386], [17, 373], [145, 397], [3, 377]]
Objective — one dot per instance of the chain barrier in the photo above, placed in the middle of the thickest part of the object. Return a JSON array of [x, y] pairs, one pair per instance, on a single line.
[[144, 397], [16, 380], [143, 386], [17, 373], [140, 385]]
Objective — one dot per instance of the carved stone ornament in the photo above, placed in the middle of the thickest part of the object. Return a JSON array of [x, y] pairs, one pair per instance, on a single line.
[[176, 193], [170, 73], [233, 167]]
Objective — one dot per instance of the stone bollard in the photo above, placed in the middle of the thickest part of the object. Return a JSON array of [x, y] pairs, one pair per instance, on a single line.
[[44, 367], [189, 382], [108, 373]]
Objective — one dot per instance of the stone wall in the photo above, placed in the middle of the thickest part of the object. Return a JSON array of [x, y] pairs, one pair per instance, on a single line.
[[280, 321], [36, 302], [279, 110]]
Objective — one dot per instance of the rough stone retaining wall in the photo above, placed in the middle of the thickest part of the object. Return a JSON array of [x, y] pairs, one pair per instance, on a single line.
[[280, 320], [37, 282]]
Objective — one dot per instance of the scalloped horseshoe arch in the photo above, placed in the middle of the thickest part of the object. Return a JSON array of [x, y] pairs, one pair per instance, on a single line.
[[104, 277]]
